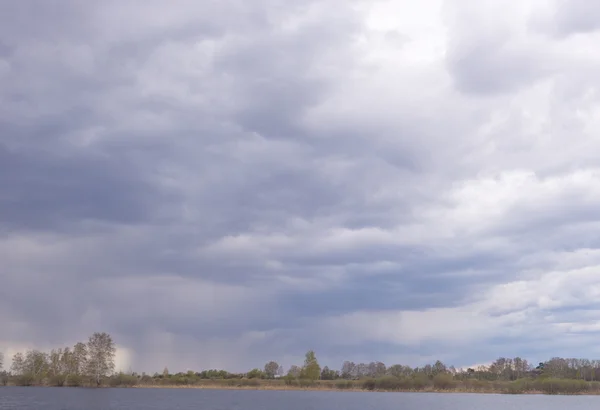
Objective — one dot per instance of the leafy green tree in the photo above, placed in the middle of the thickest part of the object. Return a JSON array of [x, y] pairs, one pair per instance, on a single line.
[[30, 368], [36, 364], [18, 364], [328, 374], [58, 366], [255, 374], [101, 357], [311, 369], [78, 359]]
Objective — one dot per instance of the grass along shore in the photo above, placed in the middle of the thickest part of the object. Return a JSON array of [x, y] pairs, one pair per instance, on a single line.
[[394, 384], [438, 384], [442, 383]]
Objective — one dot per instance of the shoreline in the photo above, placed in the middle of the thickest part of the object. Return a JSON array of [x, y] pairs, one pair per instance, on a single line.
[[317, 388], [353, 390], [388, 384]]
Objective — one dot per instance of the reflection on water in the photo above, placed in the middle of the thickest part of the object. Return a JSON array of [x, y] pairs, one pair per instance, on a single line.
[[34, 398]]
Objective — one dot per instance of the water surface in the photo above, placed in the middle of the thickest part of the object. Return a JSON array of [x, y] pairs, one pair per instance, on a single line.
[[34, 398]]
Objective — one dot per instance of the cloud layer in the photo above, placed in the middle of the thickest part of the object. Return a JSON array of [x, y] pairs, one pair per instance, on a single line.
[[219, 184]]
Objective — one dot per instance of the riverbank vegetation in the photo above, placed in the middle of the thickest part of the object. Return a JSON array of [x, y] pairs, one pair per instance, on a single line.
[[92, 364]]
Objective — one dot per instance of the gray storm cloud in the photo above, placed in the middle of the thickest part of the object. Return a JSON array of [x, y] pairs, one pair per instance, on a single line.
[[219, 184]]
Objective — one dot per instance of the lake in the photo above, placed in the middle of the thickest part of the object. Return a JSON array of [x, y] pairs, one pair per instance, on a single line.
[[34, 398]]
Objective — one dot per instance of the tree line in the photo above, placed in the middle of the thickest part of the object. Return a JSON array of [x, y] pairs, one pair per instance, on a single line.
[[93, 364], [83, 364]]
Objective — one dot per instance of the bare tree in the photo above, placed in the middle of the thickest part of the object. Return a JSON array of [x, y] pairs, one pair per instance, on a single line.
[[376, 369], [272, 369], [399, 371], [1, 360], [101, 356], [439, 368], [348, 370], [294, 371]]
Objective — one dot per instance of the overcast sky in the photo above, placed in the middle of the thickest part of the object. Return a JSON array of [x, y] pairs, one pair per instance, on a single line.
[[222, 183]]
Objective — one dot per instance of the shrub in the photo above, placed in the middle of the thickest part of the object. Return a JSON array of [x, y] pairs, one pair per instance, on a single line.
[[519, 387], [561, 386], [390, 383], [594, 386], [238, 382], [476, 385], [306, 383], [290, 380], [248, 382], [419, 382], [368, 384], [393, 383], [3, 378], [179, 380], [122, 380], [74, 380], [24, 380], [58, 380], [444, 382], [344, 384], [255, 374], [405, 383], [146, 379]]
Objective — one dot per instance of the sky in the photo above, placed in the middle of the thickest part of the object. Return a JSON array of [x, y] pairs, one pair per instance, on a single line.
[[222, 183]]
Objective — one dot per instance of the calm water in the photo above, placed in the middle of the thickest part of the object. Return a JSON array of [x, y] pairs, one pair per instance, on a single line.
[[32, 398]]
